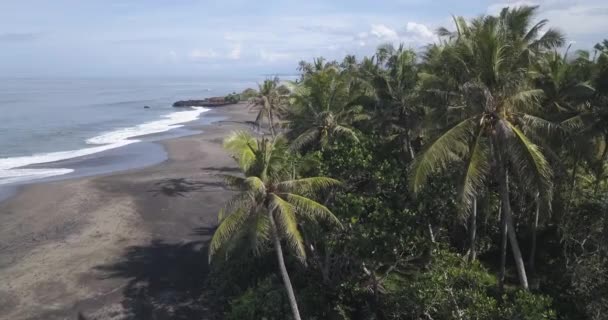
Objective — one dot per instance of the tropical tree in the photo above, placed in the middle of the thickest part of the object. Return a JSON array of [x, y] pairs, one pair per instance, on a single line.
[[324, 106], [269, 102], [270, 205], [398, 111], [495, 135]]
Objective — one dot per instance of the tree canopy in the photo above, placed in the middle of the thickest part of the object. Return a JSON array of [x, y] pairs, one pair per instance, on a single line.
[[473, 182]]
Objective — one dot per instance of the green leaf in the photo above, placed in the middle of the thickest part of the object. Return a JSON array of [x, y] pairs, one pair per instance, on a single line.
[[451, 145]]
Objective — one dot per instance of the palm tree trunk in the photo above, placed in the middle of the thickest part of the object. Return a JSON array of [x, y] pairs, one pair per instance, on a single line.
[[532, 257], [506, 211], [408, 143], [503, 251], [271, 120], [473, 231], [286, 281], [573, 177]]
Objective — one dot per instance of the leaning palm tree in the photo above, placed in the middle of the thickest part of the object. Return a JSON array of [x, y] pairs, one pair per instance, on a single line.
[[270, 204], [269, 102], [497, 127], [324, 106]]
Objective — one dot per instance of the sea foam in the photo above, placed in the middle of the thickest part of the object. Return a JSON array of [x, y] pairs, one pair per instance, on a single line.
[[11, 171]]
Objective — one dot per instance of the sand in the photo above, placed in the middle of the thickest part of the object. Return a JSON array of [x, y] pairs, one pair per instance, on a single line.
[[130, 245]]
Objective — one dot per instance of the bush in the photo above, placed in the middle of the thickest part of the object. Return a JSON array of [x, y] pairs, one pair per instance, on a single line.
[[248, 94], [265, 301], [455, 289], [233, 98]]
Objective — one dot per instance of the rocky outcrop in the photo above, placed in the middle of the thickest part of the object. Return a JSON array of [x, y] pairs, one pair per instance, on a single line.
[[209, 102]]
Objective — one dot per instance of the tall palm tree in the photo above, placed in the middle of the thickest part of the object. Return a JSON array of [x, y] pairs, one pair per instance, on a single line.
[[588, 124], [565, 92], [496, 131], [269, 102], [398, 111], [270, 203], [324, 106]]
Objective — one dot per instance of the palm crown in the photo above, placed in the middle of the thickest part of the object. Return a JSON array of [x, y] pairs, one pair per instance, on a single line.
[[325, 106], [496, 128], [267, 193]]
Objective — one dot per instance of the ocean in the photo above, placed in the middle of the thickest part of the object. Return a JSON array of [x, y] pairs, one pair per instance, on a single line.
[[49, 120]]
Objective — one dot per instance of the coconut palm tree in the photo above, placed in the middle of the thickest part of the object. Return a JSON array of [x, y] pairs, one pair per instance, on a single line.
[[269, 102], [565, 92], [588, 124], [270, 204], [398, 112], [324, 106], [496, 132], [563, 89]]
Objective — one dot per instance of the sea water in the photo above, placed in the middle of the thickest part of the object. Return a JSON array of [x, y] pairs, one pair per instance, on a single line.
[[49, 120]]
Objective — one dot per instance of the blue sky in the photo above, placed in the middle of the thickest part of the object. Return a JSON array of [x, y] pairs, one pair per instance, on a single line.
[[236, 37]]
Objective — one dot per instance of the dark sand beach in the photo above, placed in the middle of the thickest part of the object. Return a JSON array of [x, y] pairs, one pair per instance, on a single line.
[[128, 245]]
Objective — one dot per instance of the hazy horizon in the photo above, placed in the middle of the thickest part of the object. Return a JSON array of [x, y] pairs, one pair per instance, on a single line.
[[115, 38]]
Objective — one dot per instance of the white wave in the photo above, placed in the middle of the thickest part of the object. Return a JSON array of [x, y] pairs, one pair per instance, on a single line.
[[20, 175], [9, 167], [170, 121]]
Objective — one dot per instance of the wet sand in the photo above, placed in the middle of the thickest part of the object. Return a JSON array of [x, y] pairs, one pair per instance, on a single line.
[[130, 245]]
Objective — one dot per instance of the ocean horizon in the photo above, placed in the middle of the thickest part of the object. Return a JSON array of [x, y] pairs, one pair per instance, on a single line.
[[45, 120]]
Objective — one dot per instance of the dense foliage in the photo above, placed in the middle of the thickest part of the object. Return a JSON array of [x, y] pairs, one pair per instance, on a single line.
[[473, 183]]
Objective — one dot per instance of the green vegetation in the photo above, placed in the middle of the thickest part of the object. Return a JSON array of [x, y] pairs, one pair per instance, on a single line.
[[246, 95], [269, 101], [233, 98], [473, 184]]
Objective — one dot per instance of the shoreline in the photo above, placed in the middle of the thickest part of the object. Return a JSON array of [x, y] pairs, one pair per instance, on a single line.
[[126, 244], [57, 164], [147, 151]]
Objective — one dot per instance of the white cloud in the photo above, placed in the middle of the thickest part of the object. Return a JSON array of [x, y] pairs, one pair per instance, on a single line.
[[383, 32], [413, 34], [362, 35], [497, 7], [202, 54], [420, 30], [271, 56], [576, 17], [235, 53]]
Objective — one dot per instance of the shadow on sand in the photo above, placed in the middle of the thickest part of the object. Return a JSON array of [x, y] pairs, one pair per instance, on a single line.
[[179, 187], [167, 281]]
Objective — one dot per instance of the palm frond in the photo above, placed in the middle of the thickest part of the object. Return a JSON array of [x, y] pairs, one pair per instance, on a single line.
[[476, 171], [449, 146], [307, 185], [551, 39], [285, 216], [346, 132], [238, 202], [528, 158], [258, 232], [227, 229], [232, 181], [242, 147], [526, 99], [305, 138], [539, 124], [252, 185], [310, 208], [255, 185]]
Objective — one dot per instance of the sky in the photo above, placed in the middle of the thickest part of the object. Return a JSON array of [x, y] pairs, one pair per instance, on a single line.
[[237, 37]]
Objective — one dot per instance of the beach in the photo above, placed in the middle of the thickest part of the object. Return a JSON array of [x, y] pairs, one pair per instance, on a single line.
[[125, 245]]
